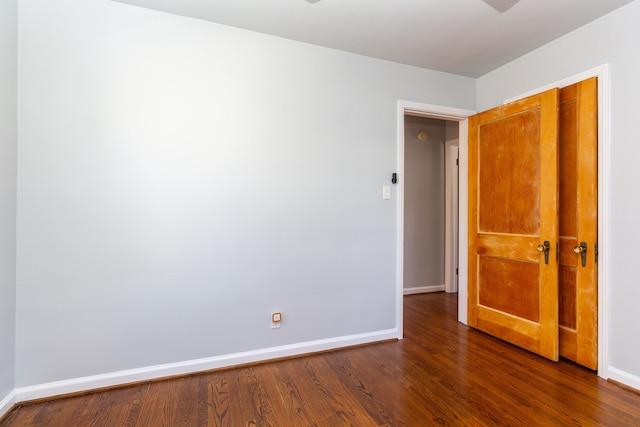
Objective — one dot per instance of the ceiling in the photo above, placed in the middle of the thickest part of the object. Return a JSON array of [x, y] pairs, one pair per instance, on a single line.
[[465, 37]]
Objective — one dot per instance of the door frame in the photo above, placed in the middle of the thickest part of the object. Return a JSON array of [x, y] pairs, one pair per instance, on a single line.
[[604, 199], [451, 219], [443, 113]]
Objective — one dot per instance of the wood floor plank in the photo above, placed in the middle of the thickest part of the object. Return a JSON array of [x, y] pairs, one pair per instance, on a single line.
[[441, 373], [132, 402], [218, 393], [368, 384], [295, 400], [344, 406]]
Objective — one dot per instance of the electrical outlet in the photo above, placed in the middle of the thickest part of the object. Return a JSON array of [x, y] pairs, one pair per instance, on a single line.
[[276, 320]]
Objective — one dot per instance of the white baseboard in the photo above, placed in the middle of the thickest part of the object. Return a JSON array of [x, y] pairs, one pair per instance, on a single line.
[[624, 378], [422, 289], [7, 403], [192, 366]]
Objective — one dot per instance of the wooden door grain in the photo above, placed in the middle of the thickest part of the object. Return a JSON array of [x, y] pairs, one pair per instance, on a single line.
[[578, 284], [513, 209]]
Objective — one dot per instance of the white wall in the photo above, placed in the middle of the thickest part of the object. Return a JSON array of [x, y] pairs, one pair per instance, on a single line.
[[424, 203], [612, 39], [179, 180], [8, 141]]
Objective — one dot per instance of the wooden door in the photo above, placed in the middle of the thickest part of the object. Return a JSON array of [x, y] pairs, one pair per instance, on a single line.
[[578, 290], [513, 209]]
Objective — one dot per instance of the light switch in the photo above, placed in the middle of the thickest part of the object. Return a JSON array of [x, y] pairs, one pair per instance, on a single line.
[[386, 192]]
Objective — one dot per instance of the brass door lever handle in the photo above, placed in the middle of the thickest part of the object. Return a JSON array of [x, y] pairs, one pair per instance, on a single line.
[[582, 250], [544, 247]]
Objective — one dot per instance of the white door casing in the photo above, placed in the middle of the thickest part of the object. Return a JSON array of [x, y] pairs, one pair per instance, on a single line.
[[451, 217]]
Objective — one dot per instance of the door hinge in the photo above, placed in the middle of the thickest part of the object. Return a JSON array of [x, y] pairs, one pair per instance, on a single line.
[[456, 271], [457, 162]]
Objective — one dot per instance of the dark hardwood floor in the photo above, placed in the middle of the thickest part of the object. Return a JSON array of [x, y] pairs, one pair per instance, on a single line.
[[442, 373]]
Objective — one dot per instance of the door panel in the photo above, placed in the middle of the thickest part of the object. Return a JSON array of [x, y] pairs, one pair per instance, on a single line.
[[496, 276], [519, 158], [578, 289], [513, 208]]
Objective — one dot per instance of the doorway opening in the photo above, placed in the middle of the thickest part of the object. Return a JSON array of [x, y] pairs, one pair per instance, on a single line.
[[454, 118], [430, 205]]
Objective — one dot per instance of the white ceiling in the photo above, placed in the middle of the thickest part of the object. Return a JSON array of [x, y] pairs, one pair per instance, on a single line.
[[465, 37]]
